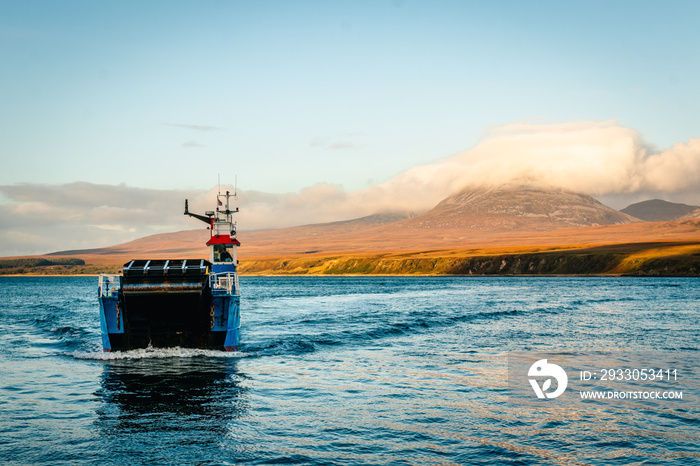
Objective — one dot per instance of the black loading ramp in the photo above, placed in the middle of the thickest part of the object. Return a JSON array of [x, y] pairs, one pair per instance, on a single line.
[[166, 303]]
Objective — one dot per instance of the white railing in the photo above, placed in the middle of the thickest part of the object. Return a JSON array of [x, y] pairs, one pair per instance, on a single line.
[[227, 282], [222, 227], [109, 285]]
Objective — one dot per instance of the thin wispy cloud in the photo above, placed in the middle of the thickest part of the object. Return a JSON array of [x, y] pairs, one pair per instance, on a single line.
[[334, 144], [342, 145], [197, 127]]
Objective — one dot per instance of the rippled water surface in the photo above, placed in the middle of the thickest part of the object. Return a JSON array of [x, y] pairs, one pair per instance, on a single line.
[[343, 371]]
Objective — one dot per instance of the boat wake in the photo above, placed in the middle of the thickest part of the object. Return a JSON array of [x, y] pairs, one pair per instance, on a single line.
[[157, 353]]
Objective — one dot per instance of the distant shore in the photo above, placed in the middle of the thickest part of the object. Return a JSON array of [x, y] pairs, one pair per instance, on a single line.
[[638, 259], [661, 258]]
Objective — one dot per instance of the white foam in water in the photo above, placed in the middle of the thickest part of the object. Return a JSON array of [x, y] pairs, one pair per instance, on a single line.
[[156, 353]]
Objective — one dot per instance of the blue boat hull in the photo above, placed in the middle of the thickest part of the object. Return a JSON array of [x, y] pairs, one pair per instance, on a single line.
[[126, 329], [165, 305]]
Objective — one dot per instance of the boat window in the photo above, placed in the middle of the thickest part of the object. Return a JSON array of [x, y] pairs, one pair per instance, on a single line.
[[222, 253]]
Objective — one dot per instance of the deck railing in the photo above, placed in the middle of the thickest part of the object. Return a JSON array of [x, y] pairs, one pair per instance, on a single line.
[[109, 285], [225, 282]]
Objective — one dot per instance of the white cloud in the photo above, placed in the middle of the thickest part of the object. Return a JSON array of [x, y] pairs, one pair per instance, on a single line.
[[674, 169], [46, 218], [595, 158]]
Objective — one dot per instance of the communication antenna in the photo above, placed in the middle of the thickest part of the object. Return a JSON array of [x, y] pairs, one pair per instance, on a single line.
[[235, 187]]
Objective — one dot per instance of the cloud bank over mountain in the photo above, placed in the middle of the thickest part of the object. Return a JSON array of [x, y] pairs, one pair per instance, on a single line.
[[602, 159], [595, 158]]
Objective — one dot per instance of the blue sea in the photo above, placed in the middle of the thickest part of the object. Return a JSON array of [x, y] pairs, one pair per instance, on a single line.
[[343, 370]]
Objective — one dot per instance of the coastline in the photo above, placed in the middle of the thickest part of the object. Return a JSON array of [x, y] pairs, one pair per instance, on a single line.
[[660, 258]]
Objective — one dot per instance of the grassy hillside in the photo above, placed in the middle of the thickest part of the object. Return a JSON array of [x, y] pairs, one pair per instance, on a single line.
[[664, 248], [653, 259], [646, 259], [43, 266]]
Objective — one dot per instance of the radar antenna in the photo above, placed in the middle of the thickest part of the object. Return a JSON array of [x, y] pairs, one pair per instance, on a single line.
[[206, 219]]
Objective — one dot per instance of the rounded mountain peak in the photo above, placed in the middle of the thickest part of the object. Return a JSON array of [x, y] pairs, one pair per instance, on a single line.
[[512, 207]]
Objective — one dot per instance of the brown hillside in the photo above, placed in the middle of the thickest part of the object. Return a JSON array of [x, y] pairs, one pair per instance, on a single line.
[[473, 222], [288, 242]]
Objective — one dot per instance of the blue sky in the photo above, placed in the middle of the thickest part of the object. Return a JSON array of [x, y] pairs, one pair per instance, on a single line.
[[284, 95]]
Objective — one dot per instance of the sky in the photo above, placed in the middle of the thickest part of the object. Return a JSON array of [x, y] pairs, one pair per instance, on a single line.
[[111, 113]]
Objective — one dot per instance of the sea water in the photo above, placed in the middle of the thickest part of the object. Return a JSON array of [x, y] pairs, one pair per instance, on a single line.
[[341, 370]]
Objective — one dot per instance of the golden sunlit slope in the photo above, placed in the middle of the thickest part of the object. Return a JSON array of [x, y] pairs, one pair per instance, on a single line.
[[598, 249]]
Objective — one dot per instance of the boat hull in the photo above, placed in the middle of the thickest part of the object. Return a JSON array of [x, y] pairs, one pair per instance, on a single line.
[[129, 328], [166, 312]]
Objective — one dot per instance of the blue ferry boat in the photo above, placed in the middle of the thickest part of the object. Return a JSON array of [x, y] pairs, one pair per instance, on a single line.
[[188, 303]]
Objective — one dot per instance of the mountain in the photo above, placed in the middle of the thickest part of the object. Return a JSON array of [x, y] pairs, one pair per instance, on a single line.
[[303, 239], [178, 242], [347, 226], [510, 208], [657, 210]]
